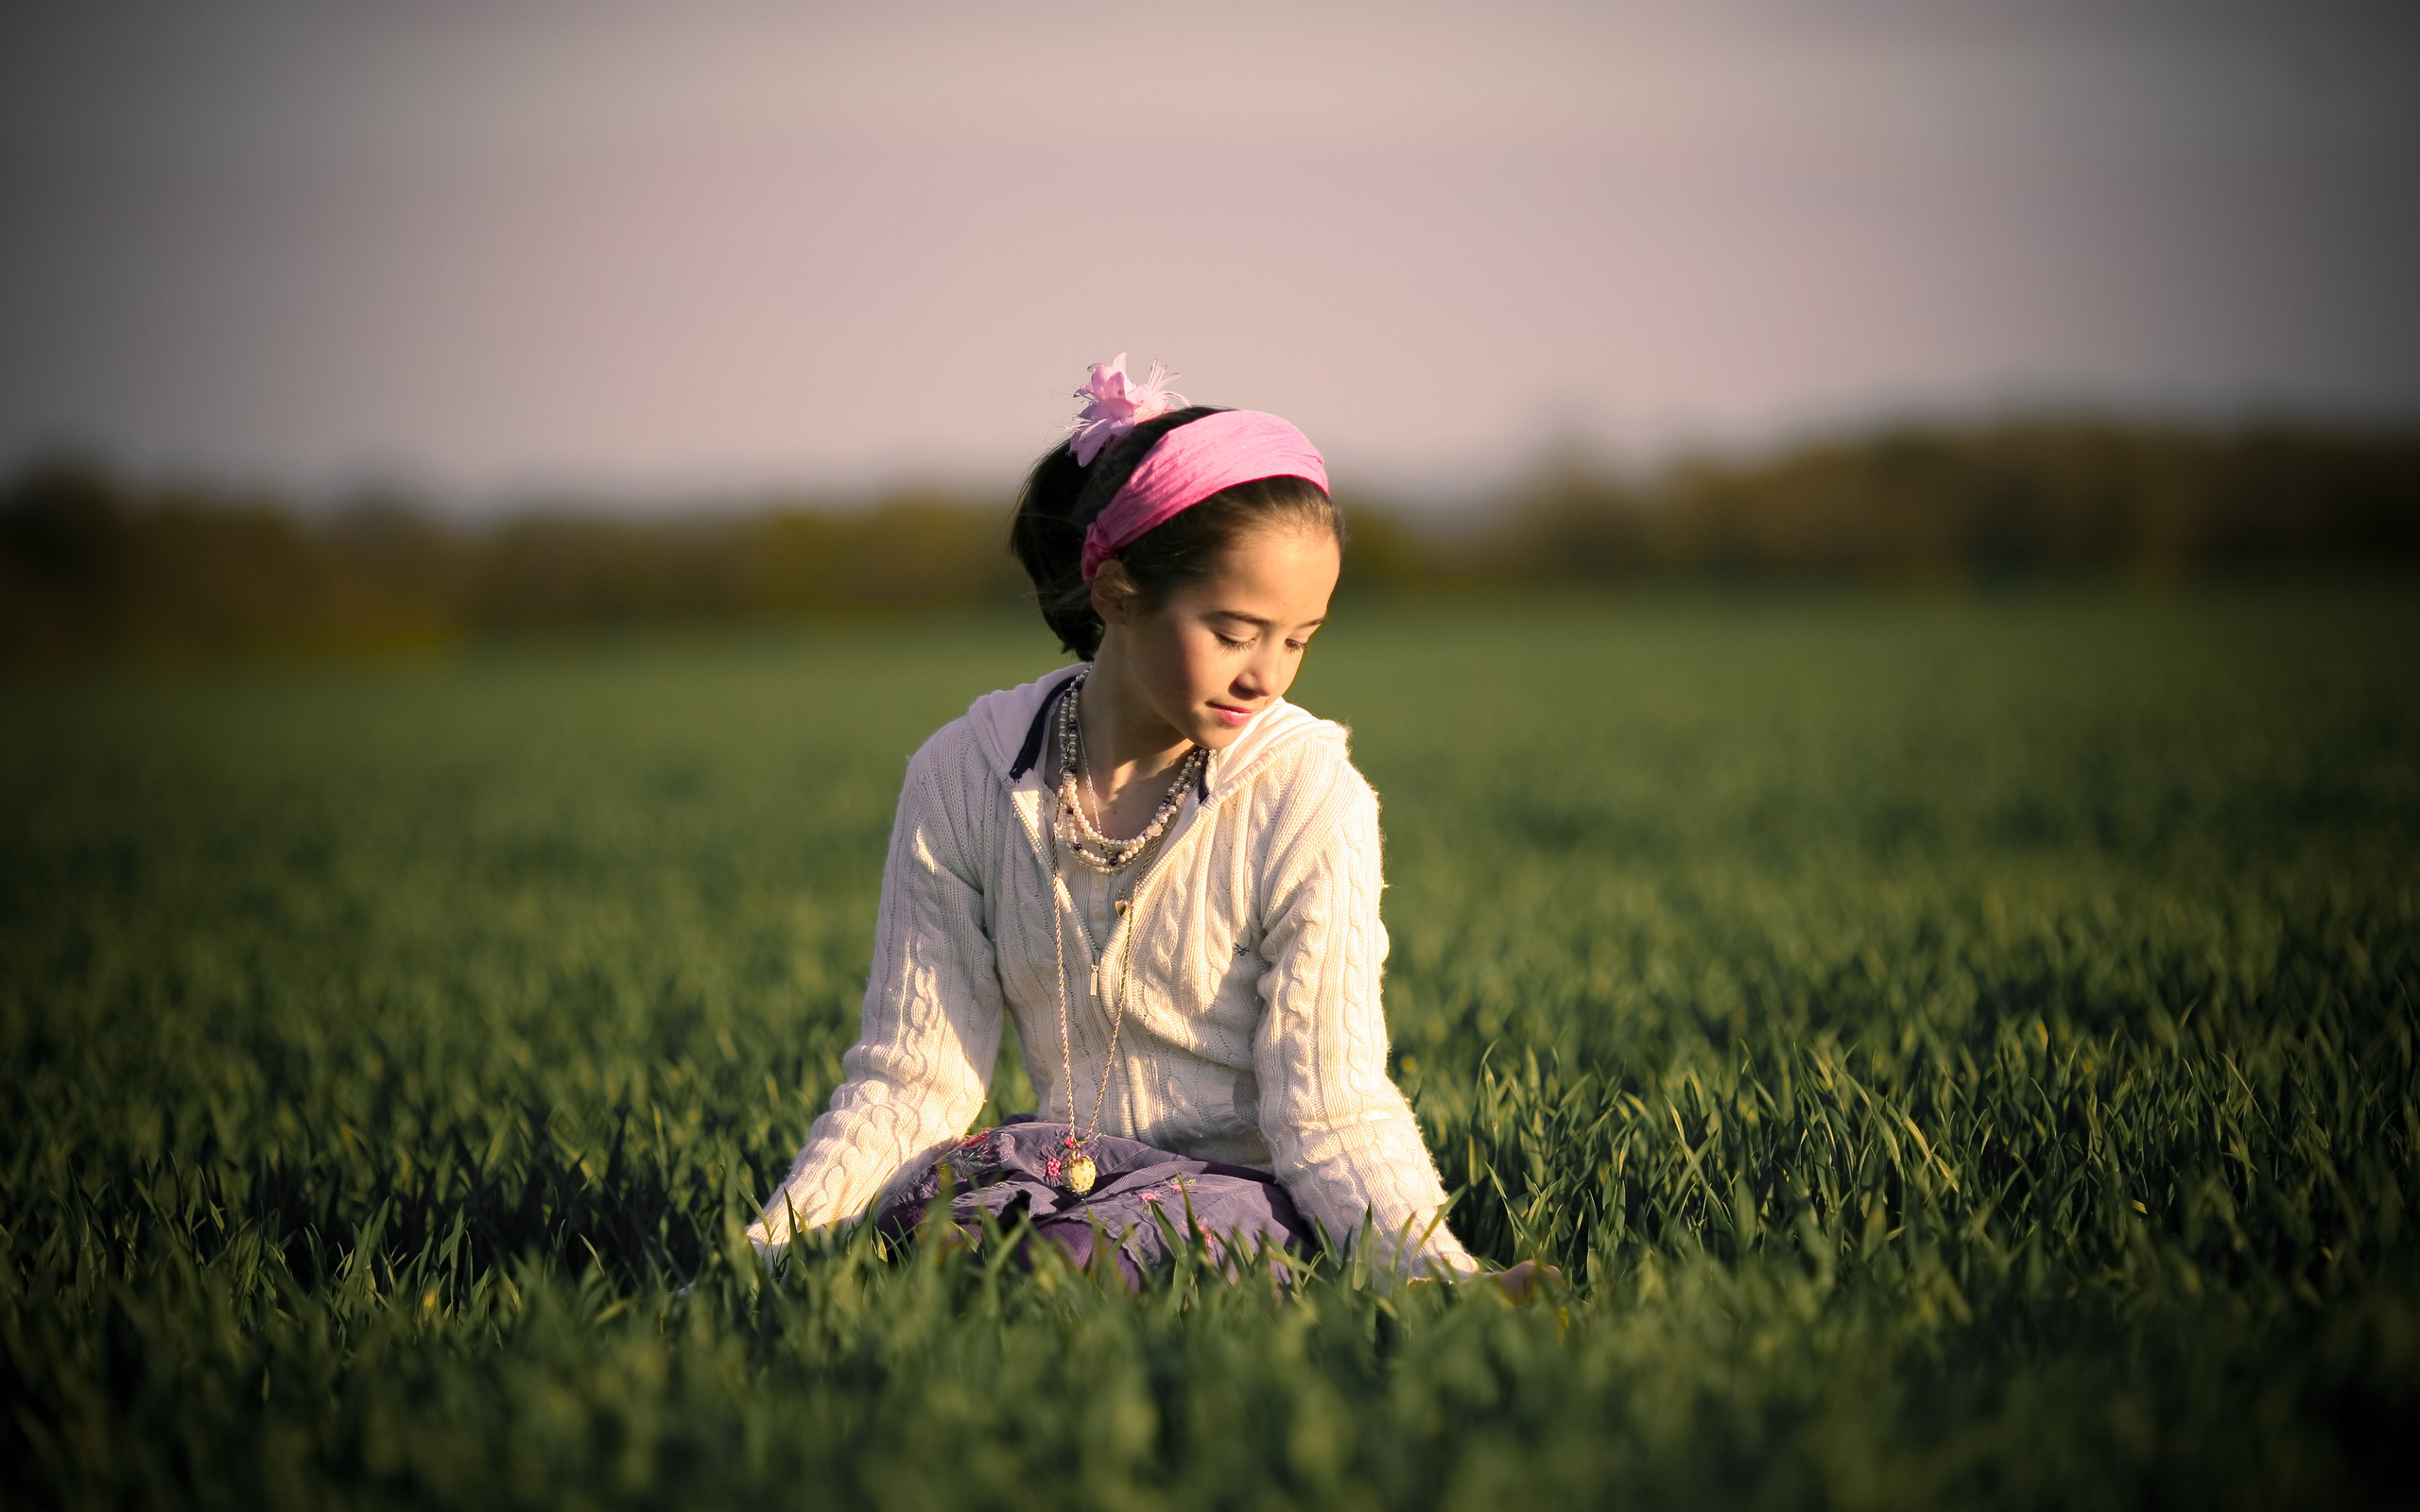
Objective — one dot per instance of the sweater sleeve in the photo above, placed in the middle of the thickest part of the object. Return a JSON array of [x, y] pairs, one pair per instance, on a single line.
[[1341, 1134], [932, 1020]]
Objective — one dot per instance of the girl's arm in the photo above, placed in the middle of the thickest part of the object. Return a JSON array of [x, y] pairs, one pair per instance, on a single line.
[[931, 1026], [1341, 1134]]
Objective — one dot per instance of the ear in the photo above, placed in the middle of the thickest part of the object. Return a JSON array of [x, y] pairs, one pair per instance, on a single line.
[[1114, 593]]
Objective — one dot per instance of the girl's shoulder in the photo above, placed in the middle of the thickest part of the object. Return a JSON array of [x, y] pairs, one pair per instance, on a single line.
[[1293, 781], [1288, 750], [995, 738], [1005, 731]]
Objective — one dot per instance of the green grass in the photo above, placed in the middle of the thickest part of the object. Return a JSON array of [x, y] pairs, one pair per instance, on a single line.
[[1960, 1051]]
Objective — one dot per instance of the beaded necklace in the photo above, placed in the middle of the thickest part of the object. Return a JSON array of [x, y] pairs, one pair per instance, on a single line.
[[1076, 828], [1073, 829]]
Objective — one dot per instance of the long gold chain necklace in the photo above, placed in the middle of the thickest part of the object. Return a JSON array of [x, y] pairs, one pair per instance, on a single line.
[[1078, 1170]]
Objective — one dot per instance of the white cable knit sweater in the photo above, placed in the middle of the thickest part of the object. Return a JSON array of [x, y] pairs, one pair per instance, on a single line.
[[1255, 1035]]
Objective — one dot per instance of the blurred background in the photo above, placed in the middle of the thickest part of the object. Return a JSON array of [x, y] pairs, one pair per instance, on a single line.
[[363, 324]]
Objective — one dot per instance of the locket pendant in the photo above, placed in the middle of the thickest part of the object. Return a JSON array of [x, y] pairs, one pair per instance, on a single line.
[[1080, 1172]]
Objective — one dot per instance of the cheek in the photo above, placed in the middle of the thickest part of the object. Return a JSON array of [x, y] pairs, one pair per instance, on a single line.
[[1194, 666], [1201, 665]]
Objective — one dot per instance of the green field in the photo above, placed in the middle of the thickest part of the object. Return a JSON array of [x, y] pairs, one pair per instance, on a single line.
[[1960, 1051]]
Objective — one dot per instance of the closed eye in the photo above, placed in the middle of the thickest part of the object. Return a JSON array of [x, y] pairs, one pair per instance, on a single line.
[[1297, 645]]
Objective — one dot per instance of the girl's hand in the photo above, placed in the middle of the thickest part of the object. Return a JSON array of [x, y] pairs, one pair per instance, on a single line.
[[1520, 1283]]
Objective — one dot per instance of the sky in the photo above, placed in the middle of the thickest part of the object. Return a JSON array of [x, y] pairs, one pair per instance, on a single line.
[[652, 253]]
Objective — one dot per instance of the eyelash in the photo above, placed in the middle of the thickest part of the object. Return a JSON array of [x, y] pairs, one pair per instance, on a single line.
[[1232, 644]]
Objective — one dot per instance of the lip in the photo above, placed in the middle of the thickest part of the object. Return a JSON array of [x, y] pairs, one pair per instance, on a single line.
[[1232, 718]]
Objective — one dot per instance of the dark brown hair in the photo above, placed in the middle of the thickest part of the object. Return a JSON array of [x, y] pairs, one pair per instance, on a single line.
[[1062, 497]]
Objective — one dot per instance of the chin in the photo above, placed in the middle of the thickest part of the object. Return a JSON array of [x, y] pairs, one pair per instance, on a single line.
[[1213, 734]]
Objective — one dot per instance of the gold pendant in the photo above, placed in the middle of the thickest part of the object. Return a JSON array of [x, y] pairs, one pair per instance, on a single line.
[[1079, 1175]]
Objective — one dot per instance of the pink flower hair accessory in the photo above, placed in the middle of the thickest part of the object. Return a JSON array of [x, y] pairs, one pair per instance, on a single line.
[[1115, 405]]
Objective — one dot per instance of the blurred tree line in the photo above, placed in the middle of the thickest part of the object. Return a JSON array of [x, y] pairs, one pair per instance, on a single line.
[[90, 565]]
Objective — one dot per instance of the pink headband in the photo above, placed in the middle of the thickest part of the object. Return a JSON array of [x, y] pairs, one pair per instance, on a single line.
[[1192, 462]]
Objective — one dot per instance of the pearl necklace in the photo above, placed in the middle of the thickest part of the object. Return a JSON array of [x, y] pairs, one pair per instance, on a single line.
[[1076, 828]]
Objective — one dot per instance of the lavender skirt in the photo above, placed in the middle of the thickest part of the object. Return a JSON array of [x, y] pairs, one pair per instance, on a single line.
[[1141, 1198]]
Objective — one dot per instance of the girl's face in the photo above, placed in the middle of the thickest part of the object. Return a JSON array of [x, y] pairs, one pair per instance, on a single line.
[[1222, 650]]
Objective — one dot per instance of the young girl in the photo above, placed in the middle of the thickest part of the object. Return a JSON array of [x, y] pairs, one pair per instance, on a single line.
[[1163, 873]]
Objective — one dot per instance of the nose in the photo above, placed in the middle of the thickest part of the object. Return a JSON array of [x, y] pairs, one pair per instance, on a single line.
[[1259, 679]]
